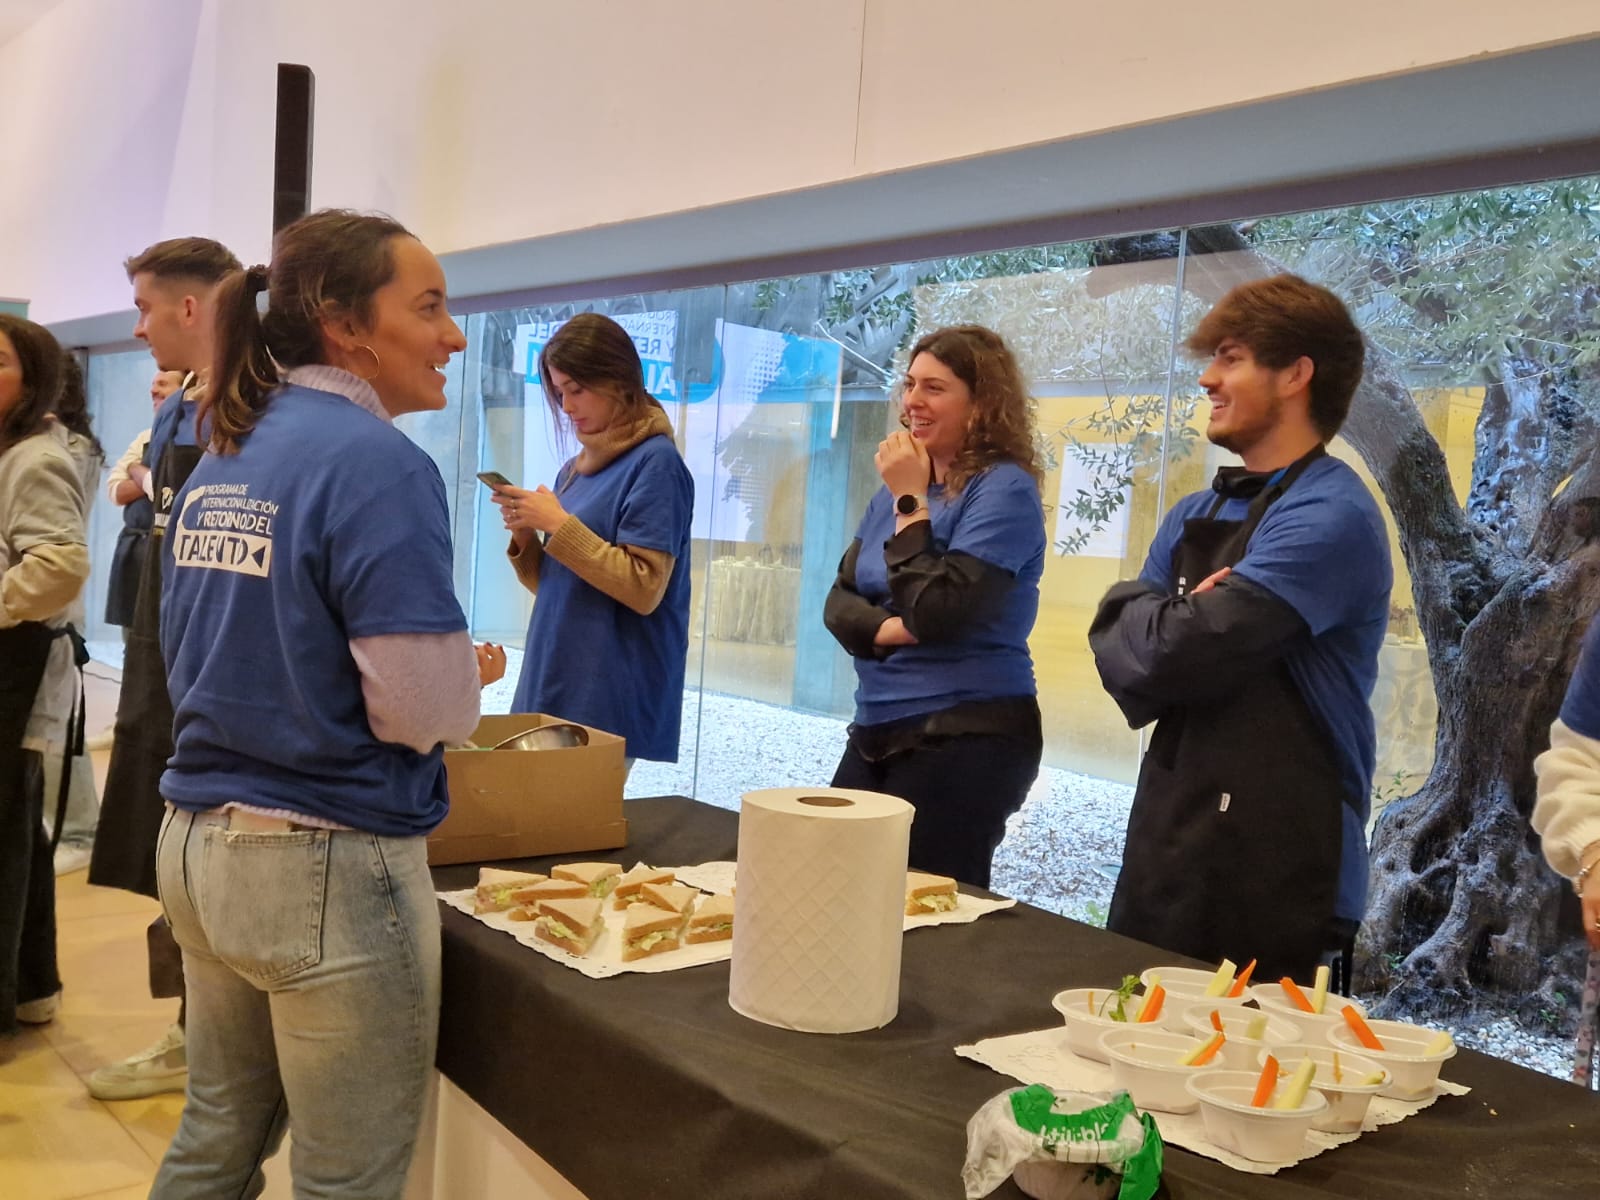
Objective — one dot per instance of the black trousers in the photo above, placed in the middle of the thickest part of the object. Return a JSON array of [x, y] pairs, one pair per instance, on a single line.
[[963, 787], [27, 890]]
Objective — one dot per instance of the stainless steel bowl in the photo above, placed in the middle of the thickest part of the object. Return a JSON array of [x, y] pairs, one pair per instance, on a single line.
[[558, 736]]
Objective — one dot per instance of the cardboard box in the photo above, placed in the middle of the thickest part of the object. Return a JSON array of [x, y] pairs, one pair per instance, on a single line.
[[518, 803]]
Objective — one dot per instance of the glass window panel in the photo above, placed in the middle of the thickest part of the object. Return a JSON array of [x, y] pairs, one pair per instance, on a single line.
[[1475, 428], [1093, 333], [442, 434], [1480, 308], [119, 405], [516, 435], [1467, 298]]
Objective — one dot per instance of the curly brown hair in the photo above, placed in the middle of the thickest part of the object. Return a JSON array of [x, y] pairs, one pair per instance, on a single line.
[[1000, 425]]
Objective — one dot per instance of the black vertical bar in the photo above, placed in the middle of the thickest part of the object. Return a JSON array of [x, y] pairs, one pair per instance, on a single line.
[[291, 159]]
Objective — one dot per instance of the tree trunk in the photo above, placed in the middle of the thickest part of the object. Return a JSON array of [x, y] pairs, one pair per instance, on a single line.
[[1462, 904], [1452, 565]]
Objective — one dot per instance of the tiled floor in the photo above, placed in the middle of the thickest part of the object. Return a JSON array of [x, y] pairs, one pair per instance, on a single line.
[[56, 1143]]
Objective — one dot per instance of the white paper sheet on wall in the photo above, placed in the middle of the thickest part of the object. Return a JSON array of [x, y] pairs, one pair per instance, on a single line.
[[1109, 541]]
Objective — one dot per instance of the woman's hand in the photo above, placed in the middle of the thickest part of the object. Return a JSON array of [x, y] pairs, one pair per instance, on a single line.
[[893, 632], [527, 513], [491, 663], [1591, 903], [903, 464]]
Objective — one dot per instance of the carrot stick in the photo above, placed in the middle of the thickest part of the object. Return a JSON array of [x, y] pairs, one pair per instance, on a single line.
[[1265, 1084], [1151, 1008], [1216, 1020], [1295, 995], [1210, 1051], [1361, 1029], [1243, 981], [1201, 1055]]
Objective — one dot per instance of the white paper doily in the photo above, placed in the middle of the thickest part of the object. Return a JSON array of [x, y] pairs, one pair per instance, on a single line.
[[1042, 1057], [605, 959]]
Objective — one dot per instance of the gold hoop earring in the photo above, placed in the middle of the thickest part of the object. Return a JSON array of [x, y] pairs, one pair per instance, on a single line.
[[377, 366]]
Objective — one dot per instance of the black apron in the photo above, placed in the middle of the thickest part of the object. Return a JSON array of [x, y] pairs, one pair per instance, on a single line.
[[131, 806], [1234, 840], [27, 883], [127, 560]]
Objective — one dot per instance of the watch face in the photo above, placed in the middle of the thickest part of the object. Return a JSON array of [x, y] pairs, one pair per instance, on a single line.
[[907, 504]]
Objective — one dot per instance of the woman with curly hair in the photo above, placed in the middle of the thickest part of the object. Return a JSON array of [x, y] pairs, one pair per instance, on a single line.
[[935, 599]]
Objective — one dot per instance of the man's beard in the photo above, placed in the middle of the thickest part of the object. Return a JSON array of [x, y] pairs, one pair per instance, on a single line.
[[1241, 439]]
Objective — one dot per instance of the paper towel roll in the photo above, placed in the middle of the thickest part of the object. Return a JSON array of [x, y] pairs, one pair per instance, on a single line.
[[822, 889]]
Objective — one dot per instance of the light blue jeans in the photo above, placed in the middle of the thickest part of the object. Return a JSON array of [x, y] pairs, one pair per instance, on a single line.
[[311, 959]]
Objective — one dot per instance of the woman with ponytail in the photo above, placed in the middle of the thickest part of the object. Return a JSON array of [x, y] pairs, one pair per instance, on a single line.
[[317, 660]]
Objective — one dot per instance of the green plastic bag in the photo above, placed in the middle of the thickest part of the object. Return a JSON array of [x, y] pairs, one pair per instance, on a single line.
[[1063, 1146]]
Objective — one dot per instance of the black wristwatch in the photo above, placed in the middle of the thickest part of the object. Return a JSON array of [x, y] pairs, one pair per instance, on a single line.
[[910, 503]]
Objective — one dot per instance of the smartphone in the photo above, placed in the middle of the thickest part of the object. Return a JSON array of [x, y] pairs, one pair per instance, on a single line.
[[494, 479]]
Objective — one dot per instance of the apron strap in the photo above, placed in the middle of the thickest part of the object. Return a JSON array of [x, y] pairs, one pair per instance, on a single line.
[[1283, 478], [1275, 486], [75, 731]]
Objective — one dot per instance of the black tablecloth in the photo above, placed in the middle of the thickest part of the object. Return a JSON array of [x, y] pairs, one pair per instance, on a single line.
[[649, 1087]]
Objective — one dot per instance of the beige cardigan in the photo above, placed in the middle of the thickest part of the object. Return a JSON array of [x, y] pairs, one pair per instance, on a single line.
[[631, 575], [1566, 814], [44, 554]]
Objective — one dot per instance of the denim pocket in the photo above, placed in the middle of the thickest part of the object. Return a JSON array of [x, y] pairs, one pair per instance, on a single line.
[[261, 899]]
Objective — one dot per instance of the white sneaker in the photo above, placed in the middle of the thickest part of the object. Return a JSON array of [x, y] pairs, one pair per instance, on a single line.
[[163, 1067], [72, 856], [101, 740], [41, 1011]]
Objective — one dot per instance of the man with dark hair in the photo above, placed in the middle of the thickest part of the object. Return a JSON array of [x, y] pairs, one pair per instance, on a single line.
[[173, 287], [1251, 638]]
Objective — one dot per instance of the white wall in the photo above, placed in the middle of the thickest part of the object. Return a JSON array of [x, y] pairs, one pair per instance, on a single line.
[[481, 122]]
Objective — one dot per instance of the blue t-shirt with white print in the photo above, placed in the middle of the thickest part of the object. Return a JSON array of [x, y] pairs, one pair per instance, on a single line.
[[327, 525], [591, 659], [1321, 548], [998, 518]]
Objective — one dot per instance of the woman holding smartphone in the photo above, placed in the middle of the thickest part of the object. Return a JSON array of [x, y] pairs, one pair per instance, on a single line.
[[606, 550]]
